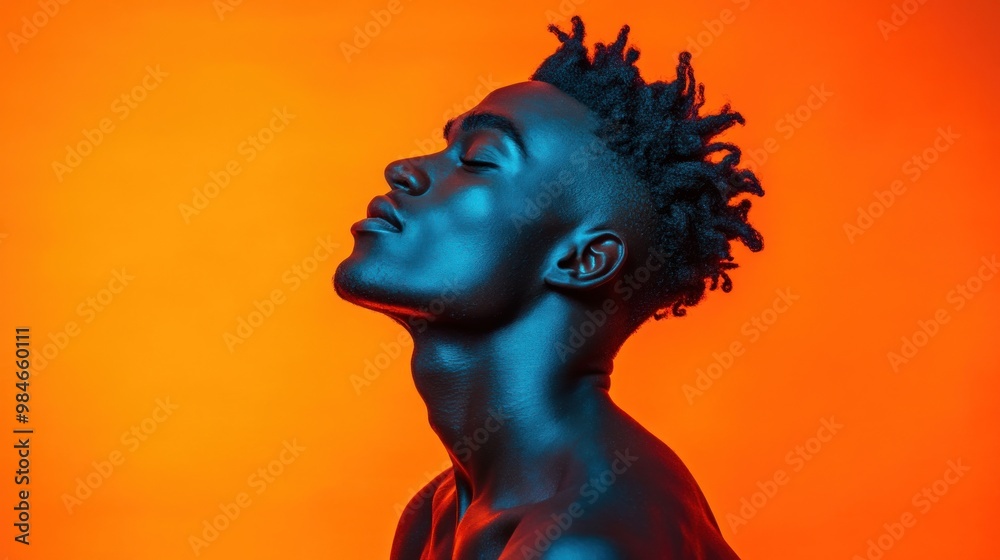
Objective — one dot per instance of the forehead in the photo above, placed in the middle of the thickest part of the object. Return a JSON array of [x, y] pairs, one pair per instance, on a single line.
[[548, 119]]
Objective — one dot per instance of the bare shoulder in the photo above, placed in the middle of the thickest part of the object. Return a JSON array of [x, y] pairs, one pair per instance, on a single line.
[[416, 519], [586, 547], [644, 504]]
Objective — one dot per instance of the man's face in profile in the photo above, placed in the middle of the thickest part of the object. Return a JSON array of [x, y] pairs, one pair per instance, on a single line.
[[548, 193], [457, 220]]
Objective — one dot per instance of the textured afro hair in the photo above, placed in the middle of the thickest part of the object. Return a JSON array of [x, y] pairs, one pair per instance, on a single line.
[[656, 131]]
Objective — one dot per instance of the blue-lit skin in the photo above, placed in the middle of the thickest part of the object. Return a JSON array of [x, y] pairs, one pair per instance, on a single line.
[[490, 294]]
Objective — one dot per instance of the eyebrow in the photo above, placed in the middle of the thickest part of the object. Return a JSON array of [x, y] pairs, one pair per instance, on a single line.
[[485, 120]]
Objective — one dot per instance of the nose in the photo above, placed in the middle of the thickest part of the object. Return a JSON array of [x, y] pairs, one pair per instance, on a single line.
[[407, 176]]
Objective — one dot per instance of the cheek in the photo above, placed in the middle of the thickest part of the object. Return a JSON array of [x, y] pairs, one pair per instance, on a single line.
[[473, 220], [472, 238], [472, 207]]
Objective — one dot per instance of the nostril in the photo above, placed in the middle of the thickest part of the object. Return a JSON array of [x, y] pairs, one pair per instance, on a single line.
[[406, 176], [397, 175]]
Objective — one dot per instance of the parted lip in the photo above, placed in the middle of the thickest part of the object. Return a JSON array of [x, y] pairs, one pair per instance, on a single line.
[[382, 207]]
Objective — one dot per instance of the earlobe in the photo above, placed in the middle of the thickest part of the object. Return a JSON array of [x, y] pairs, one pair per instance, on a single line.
[[591, 259]]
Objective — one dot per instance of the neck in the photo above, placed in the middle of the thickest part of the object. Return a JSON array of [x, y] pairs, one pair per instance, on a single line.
[[511, 403]]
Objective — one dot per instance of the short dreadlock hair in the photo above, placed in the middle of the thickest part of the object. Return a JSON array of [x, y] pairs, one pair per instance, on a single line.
[[656, 132]]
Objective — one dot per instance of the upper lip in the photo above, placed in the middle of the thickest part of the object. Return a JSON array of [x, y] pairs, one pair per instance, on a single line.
[[382, 207]]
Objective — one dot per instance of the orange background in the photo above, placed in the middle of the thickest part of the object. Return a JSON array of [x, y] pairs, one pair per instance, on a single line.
[[162, 336]]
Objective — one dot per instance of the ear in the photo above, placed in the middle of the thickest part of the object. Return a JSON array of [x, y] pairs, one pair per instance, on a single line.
[[591, 258]]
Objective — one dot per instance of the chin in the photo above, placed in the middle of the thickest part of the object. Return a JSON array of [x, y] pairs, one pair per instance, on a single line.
[[356, 282], [348, 281]]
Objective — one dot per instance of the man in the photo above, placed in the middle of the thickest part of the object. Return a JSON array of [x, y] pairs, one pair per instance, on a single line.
[[564, 212]]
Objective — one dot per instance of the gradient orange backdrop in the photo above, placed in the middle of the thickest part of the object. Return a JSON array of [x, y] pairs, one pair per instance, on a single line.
[[200, 78]]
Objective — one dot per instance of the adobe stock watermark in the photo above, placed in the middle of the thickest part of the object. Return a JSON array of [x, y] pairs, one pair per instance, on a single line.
[[259, 481], [33, 24], [389, 351], [434, 141], [625, 288], [548, 192], [913, 168], [590, 492], [900, 14], [248, 149], [753, 329], [87, 310], [463, 449], [797, 459], [365, 33], [293, 277], [788, 125], [958, 297], [468, 444], [416, 498], [923, 501], [223, 7], [122, 106], [560, 14], [713, 29], [132, 439]]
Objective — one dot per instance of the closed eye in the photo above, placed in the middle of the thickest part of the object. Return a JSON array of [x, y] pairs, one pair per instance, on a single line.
[[478, 164]]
